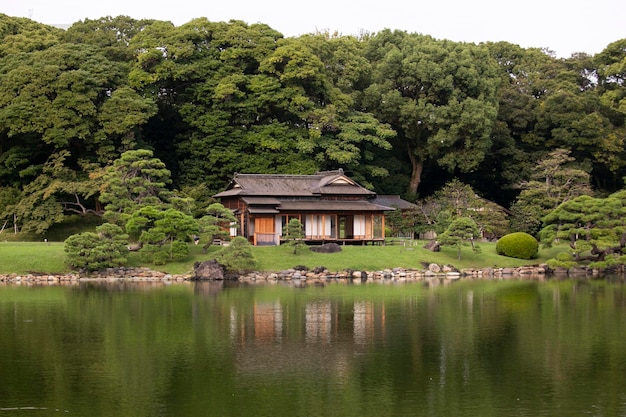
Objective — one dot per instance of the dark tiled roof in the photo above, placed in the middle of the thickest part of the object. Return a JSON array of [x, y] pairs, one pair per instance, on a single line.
[[261, 201], [323, 205], [262, 210], [278, 185], [393, 201]]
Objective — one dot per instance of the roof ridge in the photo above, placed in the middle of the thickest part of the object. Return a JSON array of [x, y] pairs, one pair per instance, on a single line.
[[280, 175]]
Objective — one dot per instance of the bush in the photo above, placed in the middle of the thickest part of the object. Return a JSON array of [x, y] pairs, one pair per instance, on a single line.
[[106, 248], [518, 245], [153, 254], [237, 257]]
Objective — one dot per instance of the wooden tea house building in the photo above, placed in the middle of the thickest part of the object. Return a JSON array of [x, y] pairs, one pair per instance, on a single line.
[[330, 205]]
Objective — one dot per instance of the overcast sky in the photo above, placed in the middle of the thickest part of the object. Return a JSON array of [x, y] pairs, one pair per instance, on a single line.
[[564, 26]]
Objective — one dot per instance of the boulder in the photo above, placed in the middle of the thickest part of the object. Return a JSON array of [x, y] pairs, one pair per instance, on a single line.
[[432, 245], [208, 270], [327, 248], [319, 269]]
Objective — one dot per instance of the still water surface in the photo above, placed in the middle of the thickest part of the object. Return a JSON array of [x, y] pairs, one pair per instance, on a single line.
[[468, 348]]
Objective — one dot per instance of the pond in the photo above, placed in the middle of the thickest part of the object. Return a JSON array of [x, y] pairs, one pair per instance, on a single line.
[[437, 348]]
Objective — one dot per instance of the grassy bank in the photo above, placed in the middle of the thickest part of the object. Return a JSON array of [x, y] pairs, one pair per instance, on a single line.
[[32, 257], [40, 257]]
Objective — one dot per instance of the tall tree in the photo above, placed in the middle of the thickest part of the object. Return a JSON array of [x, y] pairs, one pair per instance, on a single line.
[[63, 110], [55, 192], [134, 180], [439, 96], [252, 101], [342, 132], [610, 67], [524, 76]]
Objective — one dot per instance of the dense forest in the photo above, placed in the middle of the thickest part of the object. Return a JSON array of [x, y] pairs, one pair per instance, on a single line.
[[402, 113]]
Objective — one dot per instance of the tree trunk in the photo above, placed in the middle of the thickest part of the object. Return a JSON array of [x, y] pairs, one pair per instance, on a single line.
[[416, 172]]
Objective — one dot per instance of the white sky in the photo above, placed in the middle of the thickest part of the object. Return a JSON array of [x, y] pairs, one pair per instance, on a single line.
[[564, 26]]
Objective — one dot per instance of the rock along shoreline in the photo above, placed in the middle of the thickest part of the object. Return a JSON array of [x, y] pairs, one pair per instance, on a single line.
[[318, 274]]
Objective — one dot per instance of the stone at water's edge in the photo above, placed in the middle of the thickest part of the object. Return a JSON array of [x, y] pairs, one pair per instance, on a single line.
[[208, 270]]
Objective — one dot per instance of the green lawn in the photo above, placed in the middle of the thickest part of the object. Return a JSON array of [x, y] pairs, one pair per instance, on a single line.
[[373, 258], [36, 257], [25, 257]]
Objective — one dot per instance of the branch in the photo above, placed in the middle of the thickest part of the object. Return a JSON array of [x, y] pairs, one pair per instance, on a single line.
[[82, 210]]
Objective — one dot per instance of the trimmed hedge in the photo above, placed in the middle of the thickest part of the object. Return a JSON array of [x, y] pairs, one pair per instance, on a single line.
[[518, 245]]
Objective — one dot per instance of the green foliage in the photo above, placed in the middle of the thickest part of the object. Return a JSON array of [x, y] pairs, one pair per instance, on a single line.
[[594, 227], [439, 96], [461, 232], [179, 249], [163, 234], [134, 180], [554, 180], [518, 245], [154, 254], [215, 223], [112, 34], [293, 234], [20, 35], [456, 200], [213, 98], [237, 257], [562, 260], [396, 223], [106, 248], [55, 192], [443, 220], [64, 111]]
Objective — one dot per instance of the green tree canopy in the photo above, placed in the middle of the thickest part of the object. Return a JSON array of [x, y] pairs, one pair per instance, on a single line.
[[595, 228], [162, 234], [19, 35], [64, 111], [555, 179], [439, 96], [134, 180]]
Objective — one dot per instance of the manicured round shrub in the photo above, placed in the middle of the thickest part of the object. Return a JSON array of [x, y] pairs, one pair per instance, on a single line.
[[518, 245]]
